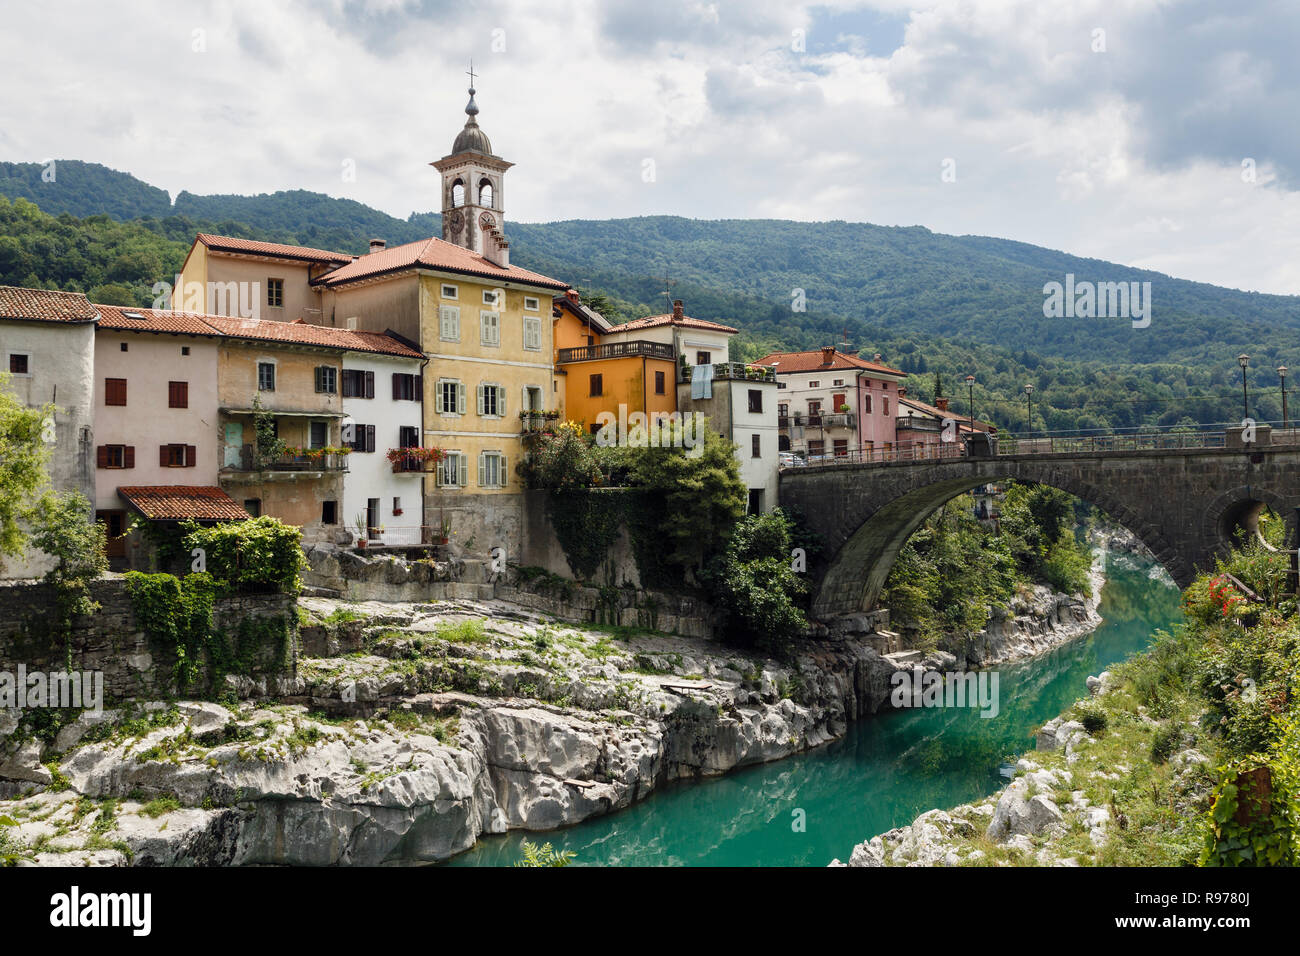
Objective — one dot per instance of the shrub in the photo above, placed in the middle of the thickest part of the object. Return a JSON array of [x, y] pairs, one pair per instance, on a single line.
[[259, 553]]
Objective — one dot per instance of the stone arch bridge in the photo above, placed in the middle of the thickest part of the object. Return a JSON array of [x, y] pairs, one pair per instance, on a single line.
[[1184, 503]]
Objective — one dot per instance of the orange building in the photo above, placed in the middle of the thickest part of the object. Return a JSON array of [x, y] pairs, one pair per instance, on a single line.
[[594, 376]]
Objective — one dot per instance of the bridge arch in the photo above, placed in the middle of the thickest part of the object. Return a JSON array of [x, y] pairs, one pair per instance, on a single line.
[[1183, 505]]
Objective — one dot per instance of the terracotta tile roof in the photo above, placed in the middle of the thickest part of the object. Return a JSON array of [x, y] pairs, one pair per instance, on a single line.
[[433, 254], [812, 361], [582, 312], [153, 320], [44, 306], [277, 250], [178, 502], [300, 333], [685, 322]]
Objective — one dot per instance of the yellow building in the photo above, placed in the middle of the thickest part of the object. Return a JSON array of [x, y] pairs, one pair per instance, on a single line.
[[596, 375]]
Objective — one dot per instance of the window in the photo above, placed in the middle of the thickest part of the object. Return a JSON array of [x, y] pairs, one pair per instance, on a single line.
[[756, 501], [886, 404], [450, 291], [319, 435], [115, 456], [867, 406], [275, 293], [491, 401], [458, 193], [449, 323], [597, 386], [814, 412], [266, 376], [114, 391], [178, 394], [177, 456], [756, 400], [659, 383], [372, 514], [532, 333], [841, 447], [450, 397], [125, 347], [703, 358], [532, 303], [329, 512], [782, 442], [783, 410], [838, 382], [451, 471], [490, 297], [532, 398], [19, 364], [363, 438], [358, 384], [816, 448], [491, 470], [814, 384], [489, 328], [327, 379], [485, 192], [838, 402], [755, 446], [185, 350], [885, 386], [406, 387], [408, 437], [253, 506]]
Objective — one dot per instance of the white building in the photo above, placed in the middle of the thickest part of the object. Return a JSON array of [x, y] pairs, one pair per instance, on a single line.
[[383, 407], [47, 345]]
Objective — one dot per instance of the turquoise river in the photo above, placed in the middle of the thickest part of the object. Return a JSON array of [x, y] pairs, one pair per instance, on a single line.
[[884, 772]]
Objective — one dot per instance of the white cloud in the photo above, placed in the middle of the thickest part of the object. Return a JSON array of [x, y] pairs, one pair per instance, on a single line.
[[1131, 155]]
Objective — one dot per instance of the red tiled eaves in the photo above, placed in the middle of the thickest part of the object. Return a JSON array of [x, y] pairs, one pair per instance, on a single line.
[[277, 250], [686, 322], [179, 502], [42, 305], [436, 254], [297, 333], [812, 361]]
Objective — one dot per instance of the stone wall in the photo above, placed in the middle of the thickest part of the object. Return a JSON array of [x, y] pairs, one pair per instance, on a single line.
[[541, 548], [111, 641]]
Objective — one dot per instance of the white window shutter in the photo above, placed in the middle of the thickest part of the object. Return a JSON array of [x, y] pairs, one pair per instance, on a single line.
[[501, 400], [460, 398], [479, 393], [481, 469], [462, 470], [501, 477]]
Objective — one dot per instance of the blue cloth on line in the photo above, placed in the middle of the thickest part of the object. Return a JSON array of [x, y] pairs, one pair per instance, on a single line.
[[702, 381]]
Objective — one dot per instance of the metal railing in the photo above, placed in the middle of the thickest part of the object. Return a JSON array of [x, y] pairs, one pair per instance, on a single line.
[[305, 462], [731, 370], [402, 536], [610, 350]]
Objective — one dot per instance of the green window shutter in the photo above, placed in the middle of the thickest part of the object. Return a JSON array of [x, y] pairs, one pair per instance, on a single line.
[[501, 400], [480, 469], [462, 469], [501, 477], [479, 392], [460, 398]]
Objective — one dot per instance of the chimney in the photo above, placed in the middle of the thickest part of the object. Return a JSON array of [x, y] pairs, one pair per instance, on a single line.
[[902, 391], [828, 354], [571, 295], [941, 403], [677, 309], [377, 245]]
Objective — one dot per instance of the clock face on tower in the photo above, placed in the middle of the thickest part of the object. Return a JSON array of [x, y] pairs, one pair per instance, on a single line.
[[486, 221], [456, 220]]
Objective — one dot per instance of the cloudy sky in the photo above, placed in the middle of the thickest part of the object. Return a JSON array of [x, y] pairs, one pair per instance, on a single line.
[[1159, 133]]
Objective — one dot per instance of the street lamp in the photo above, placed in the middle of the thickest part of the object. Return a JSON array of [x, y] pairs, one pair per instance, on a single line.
[[1281, 374], [970, 387], [1244, 362], [1029, 396]]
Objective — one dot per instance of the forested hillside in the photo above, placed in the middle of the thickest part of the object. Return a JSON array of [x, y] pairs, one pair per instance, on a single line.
[[928, 303]]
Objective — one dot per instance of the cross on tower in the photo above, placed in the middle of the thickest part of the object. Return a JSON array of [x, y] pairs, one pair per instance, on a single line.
[[471, 73], [668, 295]]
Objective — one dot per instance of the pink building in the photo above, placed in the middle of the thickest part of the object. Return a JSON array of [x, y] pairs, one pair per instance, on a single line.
[[832, 403]]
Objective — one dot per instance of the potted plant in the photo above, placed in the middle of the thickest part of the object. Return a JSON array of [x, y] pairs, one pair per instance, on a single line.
[[360, 523], [444, 530]]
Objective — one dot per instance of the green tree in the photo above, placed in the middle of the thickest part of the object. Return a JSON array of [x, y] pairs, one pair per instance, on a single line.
[[754, 584], [63, 528], [23, 454]]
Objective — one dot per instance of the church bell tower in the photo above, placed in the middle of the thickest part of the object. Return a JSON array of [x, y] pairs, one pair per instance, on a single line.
[[473, 197]]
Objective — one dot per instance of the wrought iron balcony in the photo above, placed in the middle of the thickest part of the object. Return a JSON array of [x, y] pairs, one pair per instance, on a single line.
[[612, 350], [731, 370]]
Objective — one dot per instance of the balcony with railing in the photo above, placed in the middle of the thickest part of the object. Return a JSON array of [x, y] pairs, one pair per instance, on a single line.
[[538, 421], [414, 459], [731, 370], [637, 348], [840, 420], [247, 464]]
